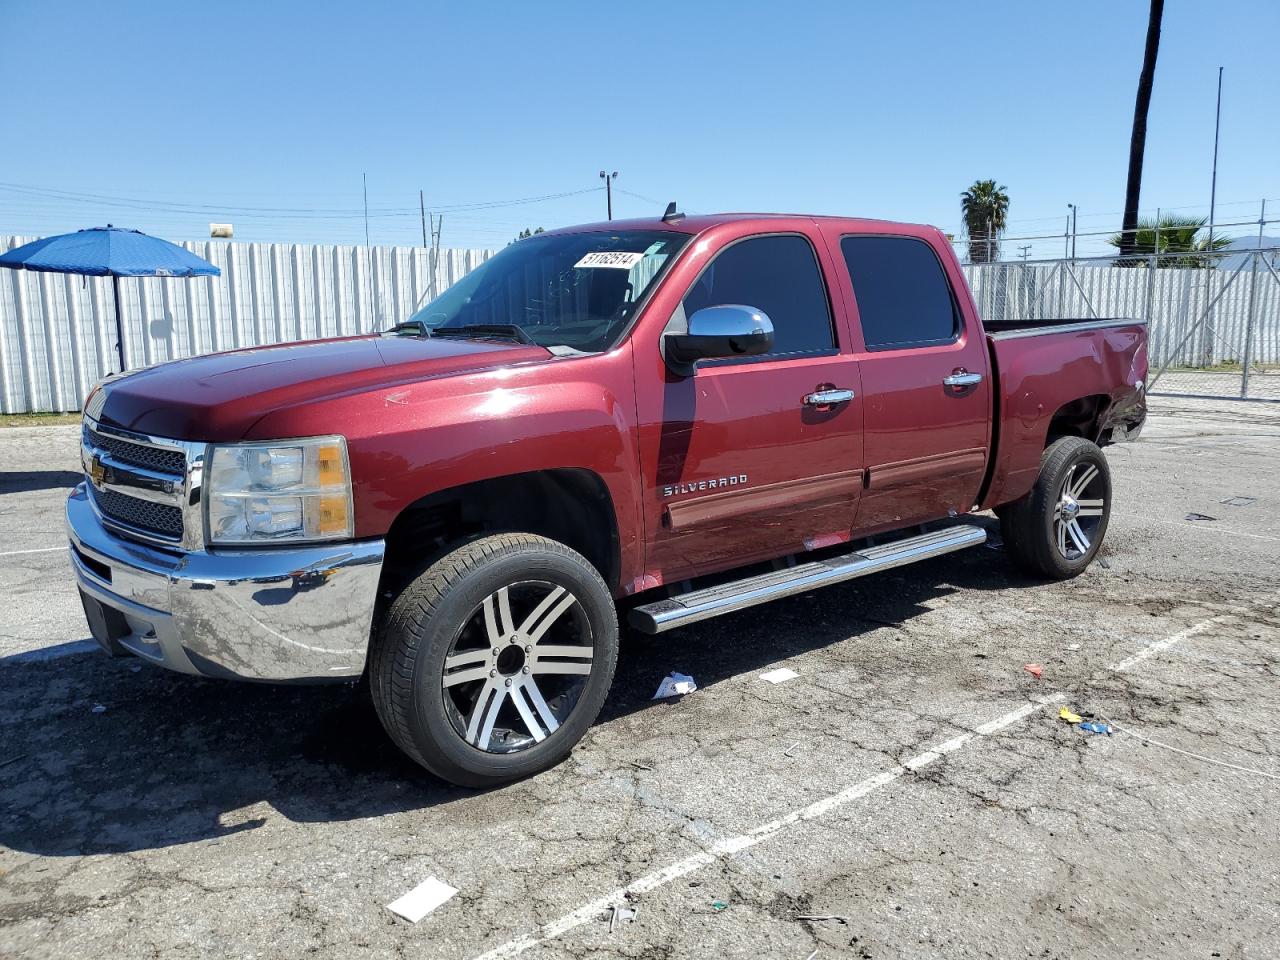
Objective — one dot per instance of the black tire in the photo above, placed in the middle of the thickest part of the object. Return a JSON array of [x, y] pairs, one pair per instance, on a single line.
[[1036, 527], [422, 708]]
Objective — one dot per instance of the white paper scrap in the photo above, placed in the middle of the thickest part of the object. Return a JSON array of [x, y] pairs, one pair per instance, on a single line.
[[777, 676], [422, 899], [675, 685]]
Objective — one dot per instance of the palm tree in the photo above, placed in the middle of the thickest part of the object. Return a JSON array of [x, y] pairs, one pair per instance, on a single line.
[[1138, 140], [986, 212], [1173, 235]]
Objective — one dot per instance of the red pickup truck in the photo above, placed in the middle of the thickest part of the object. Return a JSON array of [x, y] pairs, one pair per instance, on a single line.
[[669, 419]]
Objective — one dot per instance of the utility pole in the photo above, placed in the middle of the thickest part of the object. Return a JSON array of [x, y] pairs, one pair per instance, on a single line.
[[988, 239], [1072, 207], [1213, 188], [1024, 248], [608, 190], [364, 179], [422, 211]]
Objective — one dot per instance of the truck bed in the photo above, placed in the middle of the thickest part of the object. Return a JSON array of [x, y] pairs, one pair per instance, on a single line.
[[1019, 327], [1044, 367]]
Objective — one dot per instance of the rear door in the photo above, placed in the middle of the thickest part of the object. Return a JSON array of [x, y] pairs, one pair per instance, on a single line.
[[740, 464], [925, 377]]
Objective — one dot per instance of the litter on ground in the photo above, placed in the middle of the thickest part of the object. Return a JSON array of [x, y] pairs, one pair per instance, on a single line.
[[422, 899], [1065, 713], [98, 708], [1034, 669], [675, 685], [718, 905], [1200, 516], [779, 675], [619, 915], [1239, 501], [1093, 726]]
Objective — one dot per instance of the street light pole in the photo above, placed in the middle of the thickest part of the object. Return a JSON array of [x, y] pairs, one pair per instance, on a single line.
[[1074, 210], [608, 190]]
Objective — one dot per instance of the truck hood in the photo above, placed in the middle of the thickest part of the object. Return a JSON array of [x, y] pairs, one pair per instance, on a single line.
[[220, 396]]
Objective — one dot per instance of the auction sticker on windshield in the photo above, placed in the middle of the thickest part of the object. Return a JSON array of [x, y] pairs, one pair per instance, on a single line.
[[620, 259]]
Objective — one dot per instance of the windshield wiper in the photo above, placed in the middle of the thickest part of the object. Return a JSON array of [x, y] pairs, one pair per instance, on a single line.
[[501, 331], [412, 328]]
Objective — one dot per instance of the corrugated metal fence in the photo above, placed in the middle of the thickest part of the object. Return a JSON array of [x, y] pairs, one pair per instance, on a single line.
[[1214, 328], [57, 332]]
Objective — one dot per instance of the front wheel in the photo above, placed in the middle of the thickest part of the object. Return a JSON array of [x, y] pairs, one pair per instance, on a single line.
[[495, 660], [1056, 529]]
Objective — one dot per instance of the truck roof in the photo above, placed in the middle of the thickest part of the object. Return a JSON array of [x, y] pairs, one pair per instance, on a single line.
[[696, 223]]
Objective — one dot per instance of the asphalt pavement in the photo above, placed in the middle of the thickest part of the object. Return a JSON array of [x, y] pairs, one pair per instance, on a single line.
[[913, 787]]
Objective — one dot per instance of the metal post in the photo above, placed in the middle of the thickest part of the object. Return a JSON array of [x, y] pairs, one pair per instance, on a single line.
[[115, 288], [422, 212], [1152, 265], [1253, 308], [1213, 186], [1066, 238], [988, 239]]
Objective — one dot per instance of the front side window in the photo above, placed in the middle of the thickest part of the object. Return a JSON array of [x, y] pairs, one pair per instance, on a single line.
[[903, 296], [578, 291], [779, 275]]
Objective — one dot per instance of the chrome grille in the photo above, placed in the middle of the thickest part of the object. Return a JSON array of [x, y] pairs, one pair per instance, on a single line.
[[137, 454], [143, 514], [138, 483]]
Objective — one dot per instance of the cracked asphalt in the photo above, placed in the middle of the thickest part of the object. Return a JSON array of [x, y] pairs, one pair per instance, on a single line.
[[914, 784]]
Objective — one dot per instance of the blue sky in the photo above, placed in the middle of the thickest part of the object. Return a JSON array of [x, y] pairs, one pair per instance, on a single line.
[[267, 114]]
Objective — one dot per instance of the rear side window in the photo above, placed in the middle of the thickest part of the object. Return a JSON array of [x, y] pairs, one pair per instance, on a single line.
[[778, 275], [903, 296]]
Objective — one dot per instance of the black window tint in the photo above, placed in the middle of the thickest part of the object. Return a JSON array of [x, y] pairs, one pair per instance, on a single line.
[[902, 294], [778, 275]]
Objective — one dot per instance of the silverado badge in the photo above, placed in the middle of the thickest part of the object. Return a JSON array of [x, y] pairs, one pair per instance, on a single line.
[[694, 486]]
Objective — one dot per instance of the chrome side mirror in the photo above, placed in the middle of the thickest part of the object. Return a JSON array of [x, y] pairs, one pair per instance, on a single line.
[[728, 330]]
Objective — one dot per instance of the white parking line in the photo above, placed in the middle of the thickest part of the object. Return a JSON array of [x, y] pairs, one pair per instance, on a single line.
[[730, 845], [1151, 649], [735, 844], [14, 553]]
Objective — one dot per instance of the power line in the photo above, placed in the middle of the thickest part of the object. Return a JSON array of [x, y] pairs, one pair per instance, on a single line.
[[290, 212]]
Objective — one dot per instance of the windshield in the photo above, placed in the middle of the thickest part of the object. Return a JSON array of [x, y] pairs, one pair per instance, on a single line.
[[577, 290]]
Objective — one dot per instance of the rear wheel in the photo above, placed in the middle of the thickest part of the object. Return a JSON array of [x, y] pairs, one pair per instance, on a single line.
[[1056, 529], [493, 663]]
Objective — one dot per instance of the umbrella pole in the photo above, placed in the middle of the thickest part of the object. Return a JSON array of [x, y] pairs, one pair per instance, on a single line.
[[115, 287]]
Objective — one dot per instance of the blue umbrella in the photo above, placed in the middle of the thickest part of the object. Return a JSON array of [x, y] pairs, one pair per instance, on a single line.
[[109, 252]]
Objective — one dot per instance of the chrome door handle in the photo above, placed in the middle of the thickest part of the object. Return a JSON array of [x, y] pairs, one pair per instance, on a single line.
[[825, 398], [963, 380]]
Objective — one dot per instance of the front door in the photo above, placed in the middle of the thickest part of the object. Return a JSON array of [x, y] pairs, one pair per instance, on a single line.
[[926, 383], [741, 461]]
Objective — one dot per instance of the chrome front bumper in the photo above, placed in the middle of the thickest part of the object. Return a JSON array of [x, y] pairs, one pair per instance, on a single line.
[[295, 614]]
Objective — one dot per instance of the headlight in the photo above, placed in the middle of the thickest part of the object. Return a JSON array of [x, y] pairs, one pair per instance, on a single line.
[[269, 492]]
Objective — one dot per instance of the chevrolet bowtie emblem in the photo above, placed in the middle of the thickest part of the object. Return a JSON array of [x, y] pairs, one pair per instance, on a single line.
[[97, 472]]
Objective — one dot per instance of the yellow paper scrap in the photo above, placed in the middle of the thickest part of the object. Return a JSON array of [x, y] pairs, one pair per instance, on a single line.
[[1066, 714]]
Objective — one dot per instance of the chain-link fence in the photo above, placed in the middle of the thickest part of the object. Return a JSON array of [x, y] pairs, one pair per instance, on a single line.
[[1214, 318]]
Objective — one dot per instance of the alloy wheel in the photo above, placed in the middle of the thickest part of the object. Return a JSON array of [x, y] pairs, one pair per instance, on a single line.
[[518, 666], [1079, 510]]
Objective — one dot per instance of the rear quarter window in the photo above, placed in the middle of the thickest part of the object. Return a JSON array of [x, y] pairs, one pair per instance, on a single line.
[[903, 297]]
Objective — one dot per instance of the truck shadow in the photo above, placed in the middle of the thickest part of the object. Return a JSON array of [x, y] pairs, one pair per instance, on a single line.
[[173, 760], [24, 481]]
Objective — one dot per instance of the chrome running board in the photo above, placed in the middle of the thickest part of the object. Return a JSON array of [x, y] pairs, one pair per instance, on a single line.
[[686, 608]]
